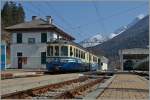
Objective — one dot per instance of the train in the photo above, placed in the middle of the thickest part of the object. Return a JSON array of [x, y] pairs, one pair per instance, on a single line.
[[68, 56]]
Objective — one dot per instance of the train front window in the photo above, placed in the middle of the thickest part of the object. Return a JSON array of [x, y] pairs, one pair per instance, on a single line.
[[50, 51], [56, 50], [64, 51]]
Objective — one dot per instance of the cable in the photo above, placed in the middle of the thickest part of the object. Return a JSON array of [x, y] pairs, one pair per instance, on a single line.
[[99, 17], [30, 10], [62, 18], [111, 16]]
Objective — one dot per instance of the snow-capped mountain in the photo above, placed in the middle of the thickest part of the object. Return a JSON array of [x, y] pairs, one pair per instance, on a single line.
[[99, 39], [139, 17], [118, 31], [123, 28], [93, 41]]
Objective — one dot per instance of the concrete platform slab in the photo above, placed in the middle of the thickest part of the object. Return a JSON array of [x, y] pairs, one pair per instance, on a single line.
[[126, 87], [19, 84], [99, 89]]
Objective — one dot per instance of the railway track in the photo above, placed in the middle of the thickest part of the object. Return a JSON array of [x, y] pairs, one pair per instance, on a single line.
[[63, 90]]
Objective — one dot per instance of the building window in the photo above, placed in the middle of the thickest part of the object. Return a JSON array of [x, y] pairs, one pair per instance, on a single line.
[[43, 57], [50, 51], [64, 51], [19, 38], [19, 53], [56, 50], [43, 37], [31, 40]]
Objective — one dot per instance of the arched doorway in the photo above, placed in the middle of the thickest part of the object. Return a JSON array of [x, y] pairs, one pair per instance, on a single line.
[[128, 65]]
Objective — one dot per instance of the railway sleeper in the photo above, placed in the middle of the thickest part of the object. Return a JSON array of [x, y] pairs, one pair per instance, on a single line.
[[77, 90], [35, 91]]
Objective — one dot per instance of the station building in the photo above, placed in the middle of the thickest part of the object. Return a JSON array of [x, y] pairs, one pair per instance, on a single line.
[[29, 42], [130, 59]]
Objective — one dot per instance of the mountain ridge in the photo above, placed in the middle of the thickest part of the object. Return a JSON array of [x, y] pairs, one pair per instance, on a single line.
[[99, 39], [128, 36], [136, 36]]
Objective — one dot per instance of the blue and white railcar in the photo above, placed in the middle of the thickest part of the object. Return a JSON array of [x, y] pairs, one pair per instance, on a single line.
[[68, 57]]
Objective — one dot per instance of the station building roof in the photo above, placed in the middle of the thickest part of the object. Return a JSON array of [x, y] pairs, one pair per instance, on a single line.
[[36, 25], [135, 51]]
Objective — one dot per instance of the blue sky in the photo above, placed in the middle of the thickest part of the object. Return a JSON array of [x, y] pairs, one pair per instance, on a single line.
[[83, 19]]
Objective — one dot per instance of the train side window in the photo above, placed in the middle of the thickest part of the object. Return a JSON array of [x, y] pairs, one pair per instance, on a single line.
[[79, 54], [64, 51], [99, 61], [89, 57], [71, 53], [56, 50], [76, 53], [94, 59], [50, 51]]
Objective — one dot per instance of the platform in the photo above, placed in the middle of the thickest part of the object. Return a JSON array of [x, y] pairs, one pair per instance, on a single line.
[[20, 73], [19, 84], [126, 87]]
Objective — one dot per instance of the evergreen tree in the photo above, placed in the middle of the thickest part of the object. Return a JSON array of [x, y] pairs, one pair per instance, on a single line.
[[6, 14], [12, 14], [21, 14]]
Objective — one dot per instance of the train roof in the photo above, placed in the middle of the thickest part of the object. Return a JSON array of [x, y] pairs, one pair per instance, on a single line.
[[70, 43]]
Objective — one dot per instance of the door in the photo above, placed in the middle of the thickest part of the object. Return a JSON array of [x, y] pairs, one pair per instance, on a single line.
[[43, 57], [19, 62]]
